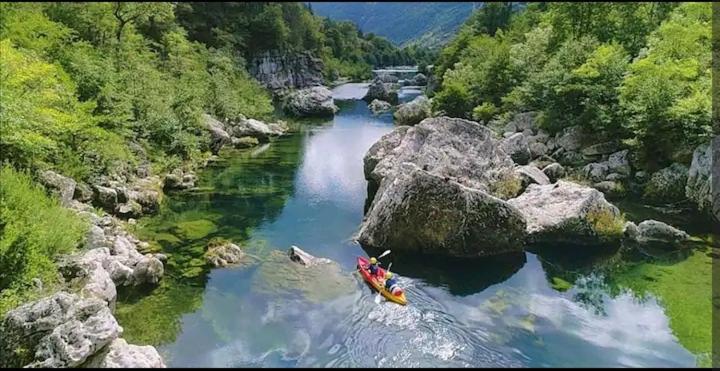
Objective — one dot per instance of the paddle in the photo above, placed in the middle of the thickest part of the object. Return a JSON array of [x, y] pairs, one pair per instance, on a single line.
[[383, 254], [377, 297]]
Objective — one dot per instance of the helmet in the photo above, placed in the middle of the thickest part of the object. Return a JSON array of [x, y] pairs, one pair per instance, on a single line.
[[388, 275], [373, 261]]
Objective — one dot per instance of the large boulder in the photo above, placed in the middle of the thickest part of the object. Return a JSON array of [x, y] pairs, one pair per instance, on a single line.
[[419, 211], [611, 189], [568, 212], [413, 112], [570, 139], [458, 149], [419, 80], [255, 128], [300, 256], [218, 136], [655, 232], [314, 101], [698, 188], [619, 163], [388, 78], [524, 122], [179, 179], [106, 197], [595, 172], [59, 185], [62, 330], [379, 90], [83, 192], [120, 354], [378, 106], [667, 185], [599, 149], [517, 147]]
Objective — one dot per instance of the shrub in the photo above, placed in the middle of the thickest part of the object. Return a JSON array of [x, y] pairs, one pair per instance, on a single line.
[[34, 229]]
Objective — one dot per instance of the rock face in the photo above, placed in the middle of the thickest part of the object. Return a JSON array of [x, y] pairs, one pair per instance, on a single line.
[[313, 101], [417, 211], [655, 232], [568, 212], [458, 149], [699, 183], [379, 90], [413, 112], [378, 106], [668, 184], [62, 330], [224, 254], [280, 71], [120, 354], [59, 185]]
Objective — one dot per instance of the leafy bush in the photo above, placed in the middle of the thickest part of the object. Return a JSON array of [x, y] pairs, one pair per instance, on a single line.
[[34, 229]]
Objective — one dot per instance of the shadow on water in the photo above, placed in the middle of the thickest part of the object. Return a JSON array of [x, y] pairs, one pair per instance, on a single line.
[[461, 276]]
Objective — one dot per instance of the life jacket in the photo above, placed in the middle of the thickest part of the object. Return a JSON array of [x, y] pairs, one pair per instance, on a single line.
[[391, 284], [373, 268]]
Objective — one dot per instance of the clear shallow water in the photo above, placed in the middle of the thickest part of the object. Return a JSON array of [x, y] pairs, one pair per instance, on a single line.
[[308, 190]]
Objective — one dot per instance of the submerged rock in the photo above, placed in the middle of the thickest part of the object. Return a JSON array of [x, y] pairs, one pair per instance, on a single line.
[[279, 276], [655, 232], [413, 112], [417, 211], [299, 256], [568, 212], [313, 101], [378, 106], [224, 254]]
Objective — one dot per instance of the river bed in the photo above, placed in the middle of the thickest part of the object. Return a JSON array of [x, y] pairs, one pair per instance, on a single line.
[[533, 309]]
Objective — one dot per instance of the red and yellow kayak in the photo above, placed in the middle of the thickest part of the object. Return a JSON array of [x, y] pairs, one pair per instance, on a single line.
[[377, 283]]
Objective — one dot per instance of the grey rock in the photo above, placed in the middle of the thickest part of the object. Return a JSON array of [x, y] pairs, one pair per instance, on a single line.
[[218, 136], [61, 186], [657, 233], [595, 171], [379, 90], [148, 270], [522, 122], [538, 149], [554, 172], [314, 101], [417, 211], [388, 78], [698, 188], [120, 354], [531, 175], [600, 149], [610, 189], [517, 148], [106, 197], [568, 212], [62, 330], [258, 129], [570, 139], [618, 162], [413, 112], [378, 106], [614, 177], [302, 257], [462, 150], [83, 192], [668, 184], [245, 142]]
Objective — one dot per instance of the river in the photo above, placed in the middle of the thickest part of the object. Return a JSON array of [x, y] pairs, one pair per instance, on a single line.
[[533, 309]]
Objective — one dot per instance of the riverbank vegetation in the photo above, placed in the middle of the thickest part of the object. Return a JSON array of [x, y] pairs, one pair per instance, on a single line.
[[635, 71]]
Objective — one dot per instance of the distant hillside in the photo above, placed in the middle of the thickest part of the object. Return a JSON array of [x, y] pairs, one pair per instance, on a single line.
[[401, 23]]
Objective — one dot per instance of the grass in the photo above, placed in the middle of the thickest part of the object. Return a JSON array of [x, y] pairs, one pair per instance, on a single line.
[[507, 187], [606, 224], [684, 289]]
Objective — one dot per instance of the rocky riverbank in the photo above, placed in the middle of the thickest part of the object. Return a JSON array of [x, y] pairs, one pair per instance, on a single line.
[[454, 187]]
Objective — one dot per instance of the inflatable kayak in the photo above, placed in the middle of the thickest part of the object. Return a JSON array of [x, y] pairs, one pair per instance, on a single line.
[[377, 283]]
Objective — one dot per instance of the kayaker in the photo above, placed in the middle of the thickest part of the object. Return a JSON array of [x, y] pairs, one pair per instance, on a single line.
[[391, 282], [374, 266]]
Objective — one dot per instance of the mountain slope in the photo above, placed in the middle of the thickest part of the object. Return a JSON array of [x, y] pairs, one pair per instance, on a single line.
[[402, 23]]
